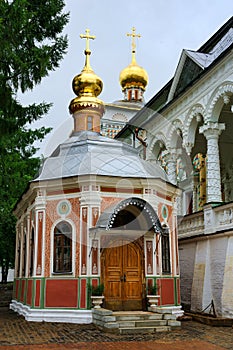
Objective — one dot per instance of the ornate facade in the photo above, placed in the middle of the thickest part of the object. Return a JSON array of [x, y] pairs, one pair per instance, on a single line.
[[96, 213], [189, 126]]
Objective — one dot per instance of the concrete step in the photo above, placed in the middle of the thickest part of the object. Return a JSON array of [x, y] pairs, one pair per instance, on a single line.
[[133, 322], [137, 316], [142, 323], [144, 330]]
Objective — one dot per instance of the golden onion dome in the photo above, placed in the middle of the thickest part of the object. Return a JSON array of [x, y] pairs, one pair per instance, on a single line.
[[86, 85], [133, 76]]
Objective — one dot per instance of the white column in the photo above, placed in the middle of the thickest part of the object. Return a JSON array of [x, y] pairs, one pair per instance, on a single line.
[[17, 253], [211, 132], [27, 246], [171, 166], [194, 186], [21, 235]]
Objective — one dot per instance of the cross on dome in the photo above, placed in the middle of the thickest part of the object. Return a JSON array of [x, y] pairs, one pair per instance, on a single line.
[[87, 36], [133, 35], [133, 79]]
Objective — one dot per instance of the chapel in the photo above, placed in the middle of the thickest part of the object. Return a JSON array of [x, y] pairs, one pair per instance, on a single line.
[[97, 213]]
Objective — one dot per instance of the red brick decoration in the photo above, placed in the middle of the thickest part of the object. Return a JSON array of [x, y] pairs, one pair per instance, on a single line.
[[149, 257], [157, 248], [94, 251], [95, 216]]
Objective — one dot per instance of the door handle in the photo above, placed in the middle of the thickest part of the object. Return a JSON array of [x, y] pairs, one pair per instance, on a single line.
[[123, 278]]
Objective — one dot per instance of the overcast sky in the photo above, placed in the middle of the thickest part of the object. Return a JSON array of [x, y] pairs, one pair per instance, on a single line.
[[166, 27]]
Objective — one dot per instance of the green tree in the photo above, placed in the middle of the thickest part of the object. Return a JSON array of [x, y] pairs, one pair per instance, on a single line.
[[32, 45]]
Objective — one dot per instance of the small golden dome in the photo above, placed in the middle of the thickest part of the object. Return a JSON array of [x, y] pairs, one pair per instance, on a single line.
[[87, 83], [133, 76]]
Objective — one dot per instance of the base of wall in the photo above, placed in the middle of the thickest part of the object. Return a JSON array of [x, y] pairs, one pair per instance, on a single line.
[[52, 315]]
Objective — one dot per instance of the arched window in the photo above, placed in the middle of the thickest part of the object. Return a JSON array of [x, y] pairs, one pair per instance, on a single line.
[[166, 264], [89, 123], [62, 261]]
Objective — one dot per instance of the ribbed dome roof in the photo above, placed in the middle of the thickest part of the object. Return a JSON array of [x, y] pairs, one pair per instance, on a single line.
[[89, 153]]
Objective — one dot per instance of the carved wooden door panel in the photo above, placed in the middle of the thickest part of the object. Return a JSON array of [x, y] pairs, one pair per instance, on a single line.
[[123, 276]]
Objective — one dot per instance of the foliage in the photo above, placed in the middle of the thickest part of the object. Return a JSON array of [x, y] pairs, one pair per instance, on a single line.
[[153, 290], [31, 47], [96, 290]]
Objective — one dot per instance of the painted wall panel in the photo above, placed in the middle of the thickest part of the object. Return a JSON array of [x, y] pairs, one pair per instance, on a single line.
[[29, 292], [37, 293], [167, 291], [61, 293]]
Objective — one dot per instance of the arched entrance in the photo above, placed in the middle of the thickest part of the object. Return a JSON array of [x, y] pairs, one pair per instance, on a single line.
[[122, 257], [123, 275]]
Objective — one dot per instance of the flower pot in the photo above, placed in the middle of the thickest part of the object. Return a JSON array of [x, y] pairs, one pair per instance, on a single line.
[[153, 299], [97, 300]]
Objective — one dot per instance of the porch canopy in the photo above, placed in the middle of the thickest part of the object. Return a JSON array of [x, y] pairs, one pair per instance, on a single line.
[[131, 218]]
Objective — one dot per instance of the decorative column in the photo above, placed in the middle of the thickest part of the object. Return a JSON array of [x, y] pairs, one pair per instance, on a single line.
[[27, 245], [211, 132], [195, 187], [171, 166], [21, 253], [40, 210], [90, 201]]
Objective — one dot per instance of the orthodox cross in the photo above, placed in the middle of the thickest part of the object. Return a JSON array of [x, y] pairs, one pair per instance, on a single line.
[[87, 36], [134, 35]]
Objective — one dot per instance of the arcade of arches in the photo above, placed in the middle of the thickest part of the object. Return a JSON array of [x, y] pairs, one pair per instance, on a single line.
[[198, 156]]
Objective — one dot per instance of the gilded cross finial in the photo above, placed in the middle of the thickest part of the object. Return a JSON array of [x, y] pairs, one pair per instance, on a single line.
[[87, 51], [134, 35], [87, 36]]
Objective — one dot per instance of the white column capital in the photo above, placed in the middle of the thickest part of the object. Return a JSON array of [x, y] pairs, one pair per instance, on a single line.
[[188, 147], [212, 130]]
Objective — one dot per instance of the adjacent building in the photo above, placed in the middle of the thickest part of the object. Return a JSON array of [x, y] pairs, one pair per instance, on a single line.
[[189, 131]]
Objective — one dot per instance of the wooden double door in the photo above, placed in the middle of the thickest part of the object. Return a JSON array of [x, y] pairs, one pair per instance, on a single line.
[[123, 275]]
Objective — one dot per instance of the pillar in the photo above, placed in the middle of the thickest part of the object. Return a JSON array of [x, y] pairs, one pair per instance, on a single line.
[[171, 166], [211, 132], [195, 186]]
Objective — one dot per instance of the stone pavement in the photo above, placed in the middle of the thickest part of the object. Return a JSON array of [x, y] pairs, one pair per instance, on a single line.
[[16, 333]]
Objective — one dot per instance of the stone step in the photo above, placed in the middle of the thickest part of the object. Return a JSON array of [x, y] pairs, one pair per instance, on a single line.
[[144, 330], [142, 323], [138, 317]]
